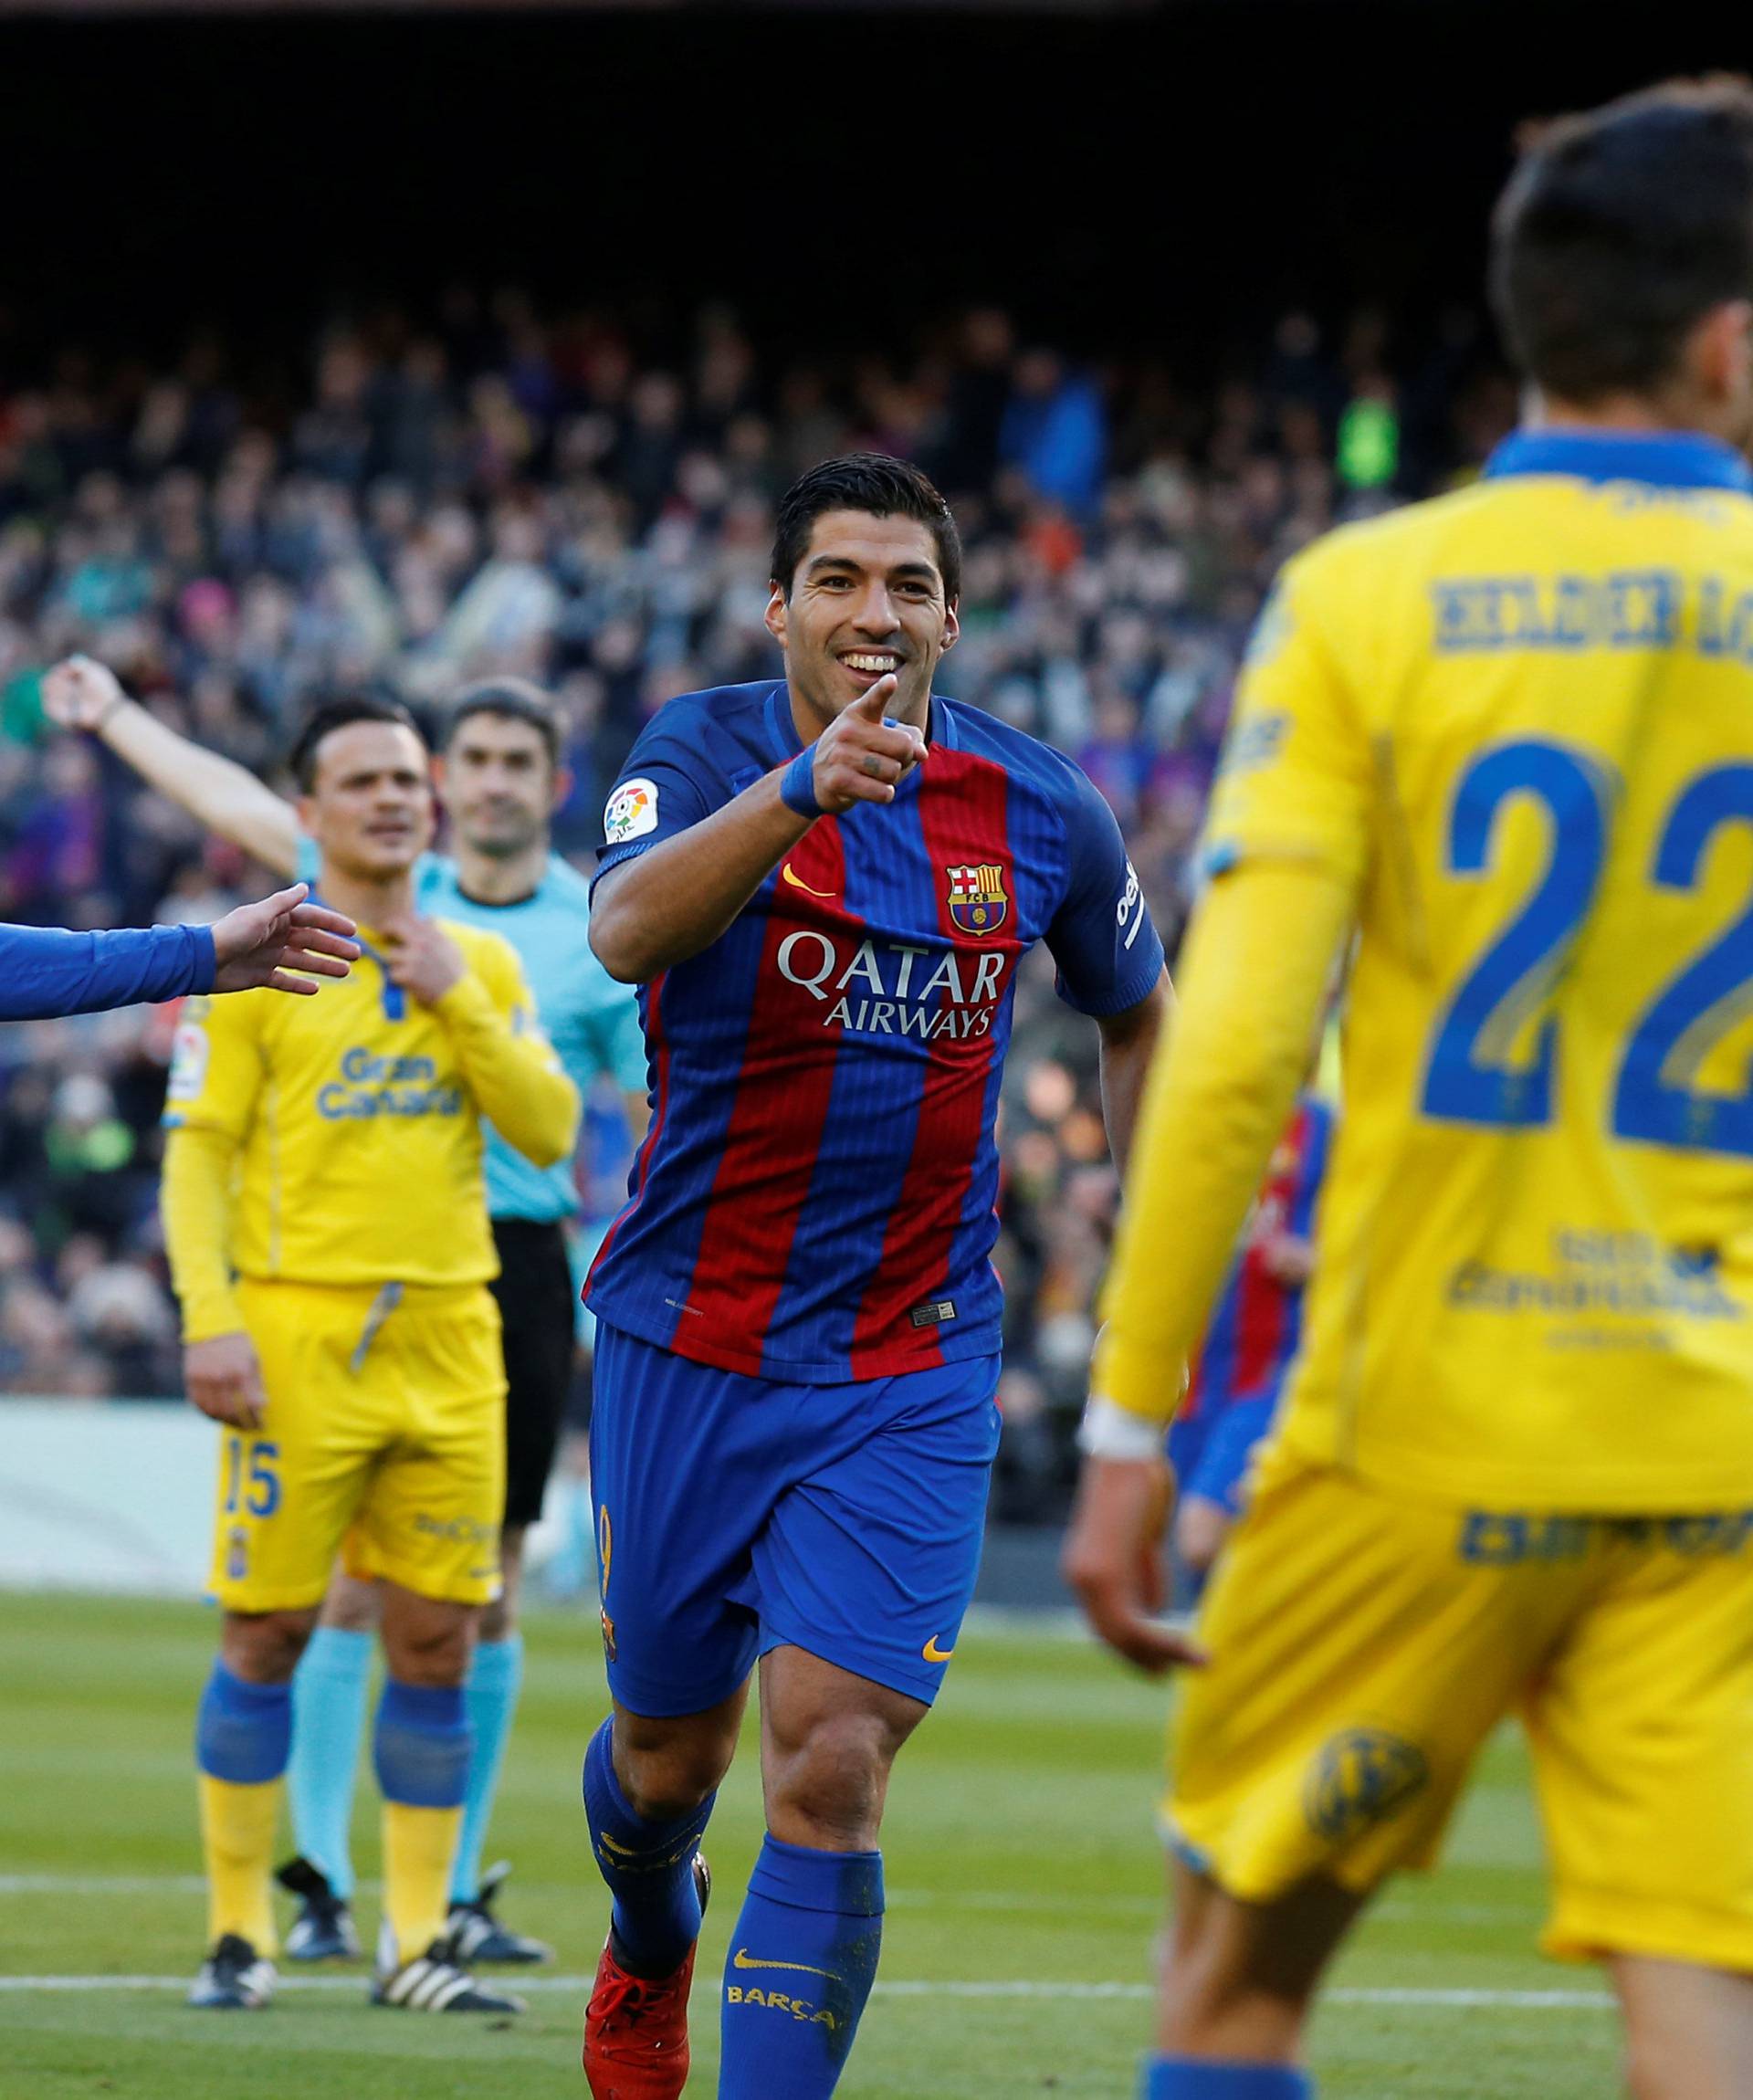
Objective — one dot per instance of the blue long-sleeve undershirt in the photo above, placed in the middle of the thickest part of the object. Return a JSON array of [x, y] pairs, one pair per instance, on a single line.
[[45, 971]]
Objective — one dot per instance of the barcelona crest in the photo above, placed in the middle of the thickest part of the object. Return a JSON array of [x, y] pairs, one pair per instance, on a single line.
[[978, 903]]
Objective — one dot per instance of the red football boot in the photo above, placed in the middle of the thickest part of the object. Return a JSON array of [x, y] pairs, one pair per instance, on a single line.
[[635, 2027]]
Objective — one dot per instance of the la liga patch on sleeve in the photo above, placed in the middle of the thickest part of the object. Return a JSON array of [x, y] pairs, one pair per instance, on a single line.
[[632, 812], [189, 1052]]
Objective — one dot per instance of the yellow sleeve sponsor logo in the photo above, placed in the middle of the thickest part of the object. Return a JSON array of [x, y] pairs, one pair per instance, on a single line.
[[1258, 739]]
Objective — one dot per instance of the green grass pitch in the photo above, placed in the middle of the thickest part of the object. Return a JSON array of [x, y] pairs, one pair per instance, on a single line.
[[1022, 1875]]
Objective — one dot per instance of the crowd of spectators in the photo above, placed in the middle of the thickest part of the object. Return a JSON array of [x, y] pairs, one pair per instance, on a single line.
[[423, 500]]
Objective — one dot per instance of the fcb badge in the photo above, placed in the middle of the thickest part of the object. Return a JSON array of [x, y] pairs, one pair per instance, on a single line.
[[978, 903]]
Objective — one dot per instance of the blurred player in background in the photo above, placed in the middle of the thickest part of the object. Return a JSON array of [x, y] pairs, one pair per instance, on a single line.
[[334, 1160], [823, 885], [282, 944], [1507, 735], [1238, 1376], [499, 779]]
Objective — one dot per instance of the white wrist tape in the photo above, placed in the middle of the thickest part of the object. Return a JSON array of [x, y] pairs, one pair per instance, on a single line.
[[1110, 1431]]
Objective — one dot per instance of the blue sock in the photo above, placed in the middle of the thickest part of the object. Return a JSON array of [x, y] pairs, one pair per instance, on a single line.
[[802, 1961], [420, 1746], [495, 1679], [1191, 2078], [328, 1719], [649, 1867], [242, 1731]]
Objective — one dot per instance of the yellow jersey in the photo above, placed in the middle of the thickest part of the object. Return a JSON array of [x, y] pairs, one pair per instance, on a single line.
[[337, 1139], [1517, 722]]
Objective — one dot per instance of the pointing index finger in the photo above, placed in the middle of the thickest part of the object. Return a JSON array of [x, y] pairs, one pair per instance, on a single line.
[[872, 702]]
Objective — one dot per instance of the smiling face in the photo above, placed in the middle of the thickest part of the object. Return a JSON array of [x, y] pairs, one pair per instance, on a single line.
[[865, 599], [370, 805]]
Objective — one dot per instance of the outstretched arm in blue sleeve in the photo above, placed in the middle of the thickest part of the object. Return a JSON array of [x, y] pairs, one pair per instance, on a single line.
[[45, 971], [282, 944]]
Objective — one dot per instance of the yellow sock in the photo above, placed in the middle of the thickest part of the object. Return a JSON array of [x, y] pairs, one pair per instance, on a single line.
[[419, 1845], [238, 1825]]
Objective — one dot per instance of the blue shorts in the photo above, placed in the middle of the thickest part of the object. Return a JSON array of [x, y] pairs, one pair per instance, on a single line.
[[1209, 1454], [736, 1514]]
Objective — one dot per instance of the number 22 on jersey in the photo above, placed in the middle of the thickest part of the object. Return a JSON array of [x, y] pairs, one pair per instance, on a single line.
[[1470, 1076]]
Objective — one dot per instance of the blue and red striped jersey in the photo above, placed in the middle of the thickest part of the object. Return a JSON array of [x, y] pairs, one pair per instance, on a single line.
[[1258, 1322], [815, 1199]]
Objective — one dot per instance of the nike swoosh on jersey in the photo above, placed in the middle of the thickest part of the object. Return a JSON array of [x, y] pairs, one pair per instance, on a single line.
[[797, 882], [741, 1960], [933, 1654]]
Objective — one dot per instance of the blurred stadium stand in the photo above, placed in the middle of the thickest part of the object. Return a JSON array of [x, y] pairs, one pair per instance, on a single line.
[[273, 425], [497, 486]]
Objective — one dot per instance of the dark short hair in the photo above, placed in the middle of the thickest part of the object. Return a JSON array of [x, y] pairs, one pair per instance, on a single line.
[[869, 481], [513, 700], [1620, 230], [334, 715]]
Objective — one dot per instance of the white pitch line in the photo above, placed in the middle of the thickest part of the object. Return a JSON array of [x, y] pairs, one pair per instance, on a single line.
[[1410, 1996], [1008, 1901]]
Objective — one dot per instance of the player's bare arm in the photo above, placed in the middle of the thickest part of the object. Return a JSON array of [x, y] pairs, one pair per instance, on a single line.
[[282, 943], [82, 694], [222, 1374], [651, 913], [1129, 1041]]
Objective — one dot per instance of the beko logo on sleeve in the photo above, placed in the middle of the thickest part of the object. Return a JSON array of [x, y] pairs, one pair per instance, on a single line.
[[632, 810], [1130, 913]]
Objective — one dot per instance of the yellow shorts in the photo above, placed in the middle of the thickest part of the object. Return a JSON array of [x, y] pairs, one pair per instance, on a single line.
[[386, 1428], [1363, 1647]]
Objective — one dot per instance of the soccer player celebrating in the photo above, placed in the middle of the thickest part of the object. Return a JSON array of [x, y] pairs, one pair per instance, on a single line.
[[500, 777], [1505, 736], [281, 944], [355, 1356], [823, 885]]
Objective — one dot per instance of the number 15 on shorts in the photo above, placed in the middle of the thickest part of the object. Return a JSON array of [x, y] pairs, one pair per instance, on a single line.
[[252, 1476]]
